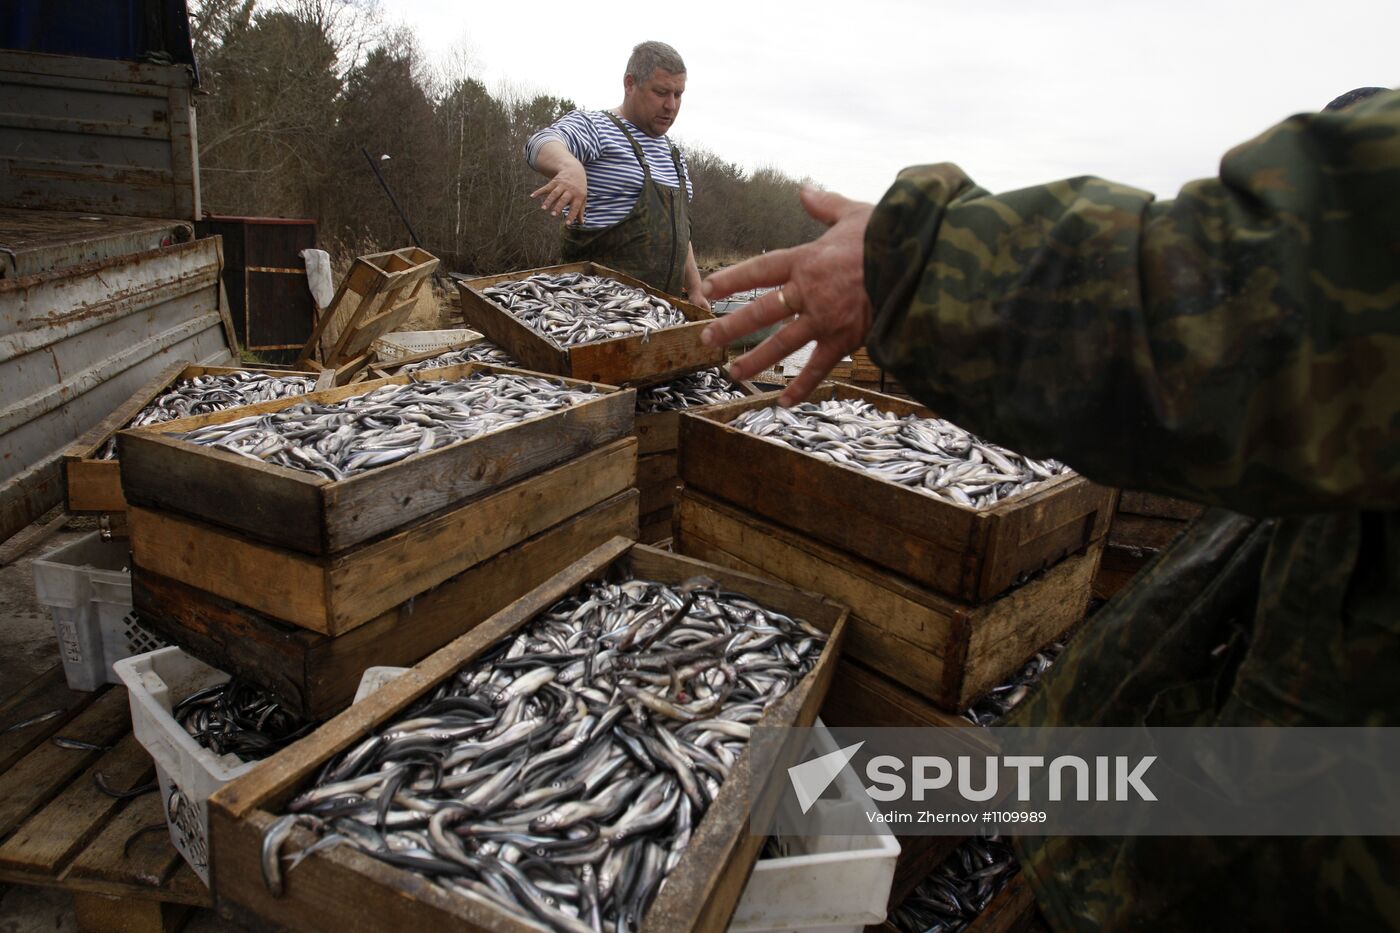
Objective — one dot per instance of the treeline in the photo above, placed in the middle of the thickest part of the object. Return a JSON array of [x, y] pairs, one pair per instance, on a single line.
[[292, 92]]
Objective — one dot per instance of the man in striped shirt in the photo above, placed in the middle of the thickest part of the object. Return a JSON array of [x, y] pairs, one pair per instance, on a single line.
[[620, 183]]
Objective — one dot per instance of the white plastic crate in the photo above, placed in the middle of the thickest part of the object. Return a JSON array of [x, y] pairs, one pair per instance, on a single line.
[[836, 880], [406, 343], [188, 773], [86, 586], [373, 678]]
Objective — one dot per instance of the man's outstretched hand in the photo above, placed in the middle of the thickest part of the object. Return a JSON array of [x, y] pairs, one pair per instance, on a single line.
[[822, 283]]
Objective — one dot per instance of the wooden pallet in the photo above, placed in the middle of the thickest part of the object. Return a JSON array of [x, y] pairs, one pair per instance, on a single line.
[[971, 555], [700, 893], [58, 830], [376, 297], [636, 360], [945, 649]]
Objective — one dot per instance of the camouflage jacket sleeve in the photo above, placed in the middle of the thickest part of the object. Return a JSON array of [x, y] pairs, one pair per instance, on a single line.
[[1238, 346]]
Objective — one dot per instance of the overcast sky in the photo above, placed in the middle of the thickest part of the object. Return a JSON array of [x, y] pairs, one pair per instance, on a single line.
[[1146, 92]]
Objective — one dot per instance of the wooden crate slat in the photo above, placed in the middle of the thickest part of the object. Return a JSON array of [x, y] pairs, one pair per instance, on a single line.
[[34, 780], [47, 692], [1151, 504], [699, 894], [51, 837], [334, 595], [150, 860], [316, 675]]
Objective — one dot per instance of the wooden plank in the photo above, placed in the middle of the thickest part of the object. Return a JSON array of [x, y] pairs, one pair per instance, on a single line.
[[316, 675], [20, 544], [52, 836], [46, 693], [37, 777], [333, 595], [1146, 503], [1118, 568], [655, 527], [965, 553], [1012, 910], [636, 360], [104, 913], [308, 513], [700, 893], [1145, 532], [148, 861], [860, 696], [946, 650]]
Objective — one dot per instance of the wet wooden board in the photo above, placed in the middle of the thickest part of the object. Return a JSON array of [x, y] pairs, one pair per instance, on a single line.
[[948, 651], [59, 831], [968, 554], [333, 595], [636, 360], [305, 512], [316, 675], [46, 693], [700, 893]]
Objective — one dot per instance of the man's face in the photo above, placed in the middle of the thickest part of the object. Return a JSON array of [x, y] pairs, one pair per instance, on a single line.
[[655, 102]]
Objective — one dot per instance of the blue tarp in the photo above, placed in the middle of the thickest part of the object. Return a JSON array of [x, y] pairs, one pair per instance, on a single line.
[[129, 30]]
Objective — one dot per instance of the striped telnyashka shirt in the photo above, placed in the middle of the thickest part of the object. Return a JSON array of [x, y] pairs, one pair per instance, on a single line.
[[614, 175]]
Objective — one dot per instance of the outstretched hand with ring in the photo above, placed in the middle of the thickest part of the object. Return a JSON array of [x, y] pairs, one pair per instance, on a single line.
[[821, 287]]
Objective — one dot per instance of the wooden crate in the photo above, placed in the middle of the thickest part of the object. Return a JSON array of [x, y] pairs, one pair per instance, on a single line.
[[315, 675], [305, 512], [700, 893], [657, 481], [948, 651], [336, 593], [376, 297], [1012, 910], [1143, 525], [656, 527], [636, 360], [967, 554], [93, 485], [658, 432]]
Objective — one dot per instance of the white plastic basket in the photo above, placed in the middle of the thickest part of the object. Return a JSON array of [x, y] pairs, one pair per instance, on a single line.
[[188, 773], [406, 343], [373, 678], [86, 586], [837, 880]]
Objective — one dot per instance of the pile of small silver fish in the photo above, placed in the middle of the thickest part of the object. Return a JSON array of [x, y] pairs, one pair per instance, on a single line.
[[575, 308], [1002, 699], [483, 351], [238, 718], [204, 394], [959, 889], [706, 387], [930, 455], [560, 776], [363, 432]]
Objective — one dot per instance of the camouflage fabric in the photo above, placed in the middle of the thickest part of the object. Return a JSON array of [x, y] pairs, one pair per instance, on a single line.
[[651, 243], [1239, 347]]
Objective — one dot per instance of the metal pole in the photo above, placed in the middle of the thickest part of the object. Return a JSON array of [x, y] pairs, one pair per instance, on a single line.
[[392, 200]]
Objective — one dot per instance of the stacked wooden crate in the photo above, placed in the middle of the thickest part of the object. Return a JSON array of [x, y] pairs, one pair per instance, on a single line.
[[637, 360], [1143, 525], [299, 583], [946, 601]]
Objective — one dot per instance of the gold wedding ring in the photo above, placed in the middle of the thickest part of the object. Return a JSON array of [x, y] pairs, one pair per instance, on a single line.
[[783, 301]]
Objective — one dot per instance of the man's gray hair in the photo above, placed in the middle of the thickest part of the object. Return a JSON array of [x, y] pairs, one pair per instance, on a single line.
[[651, 55]]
